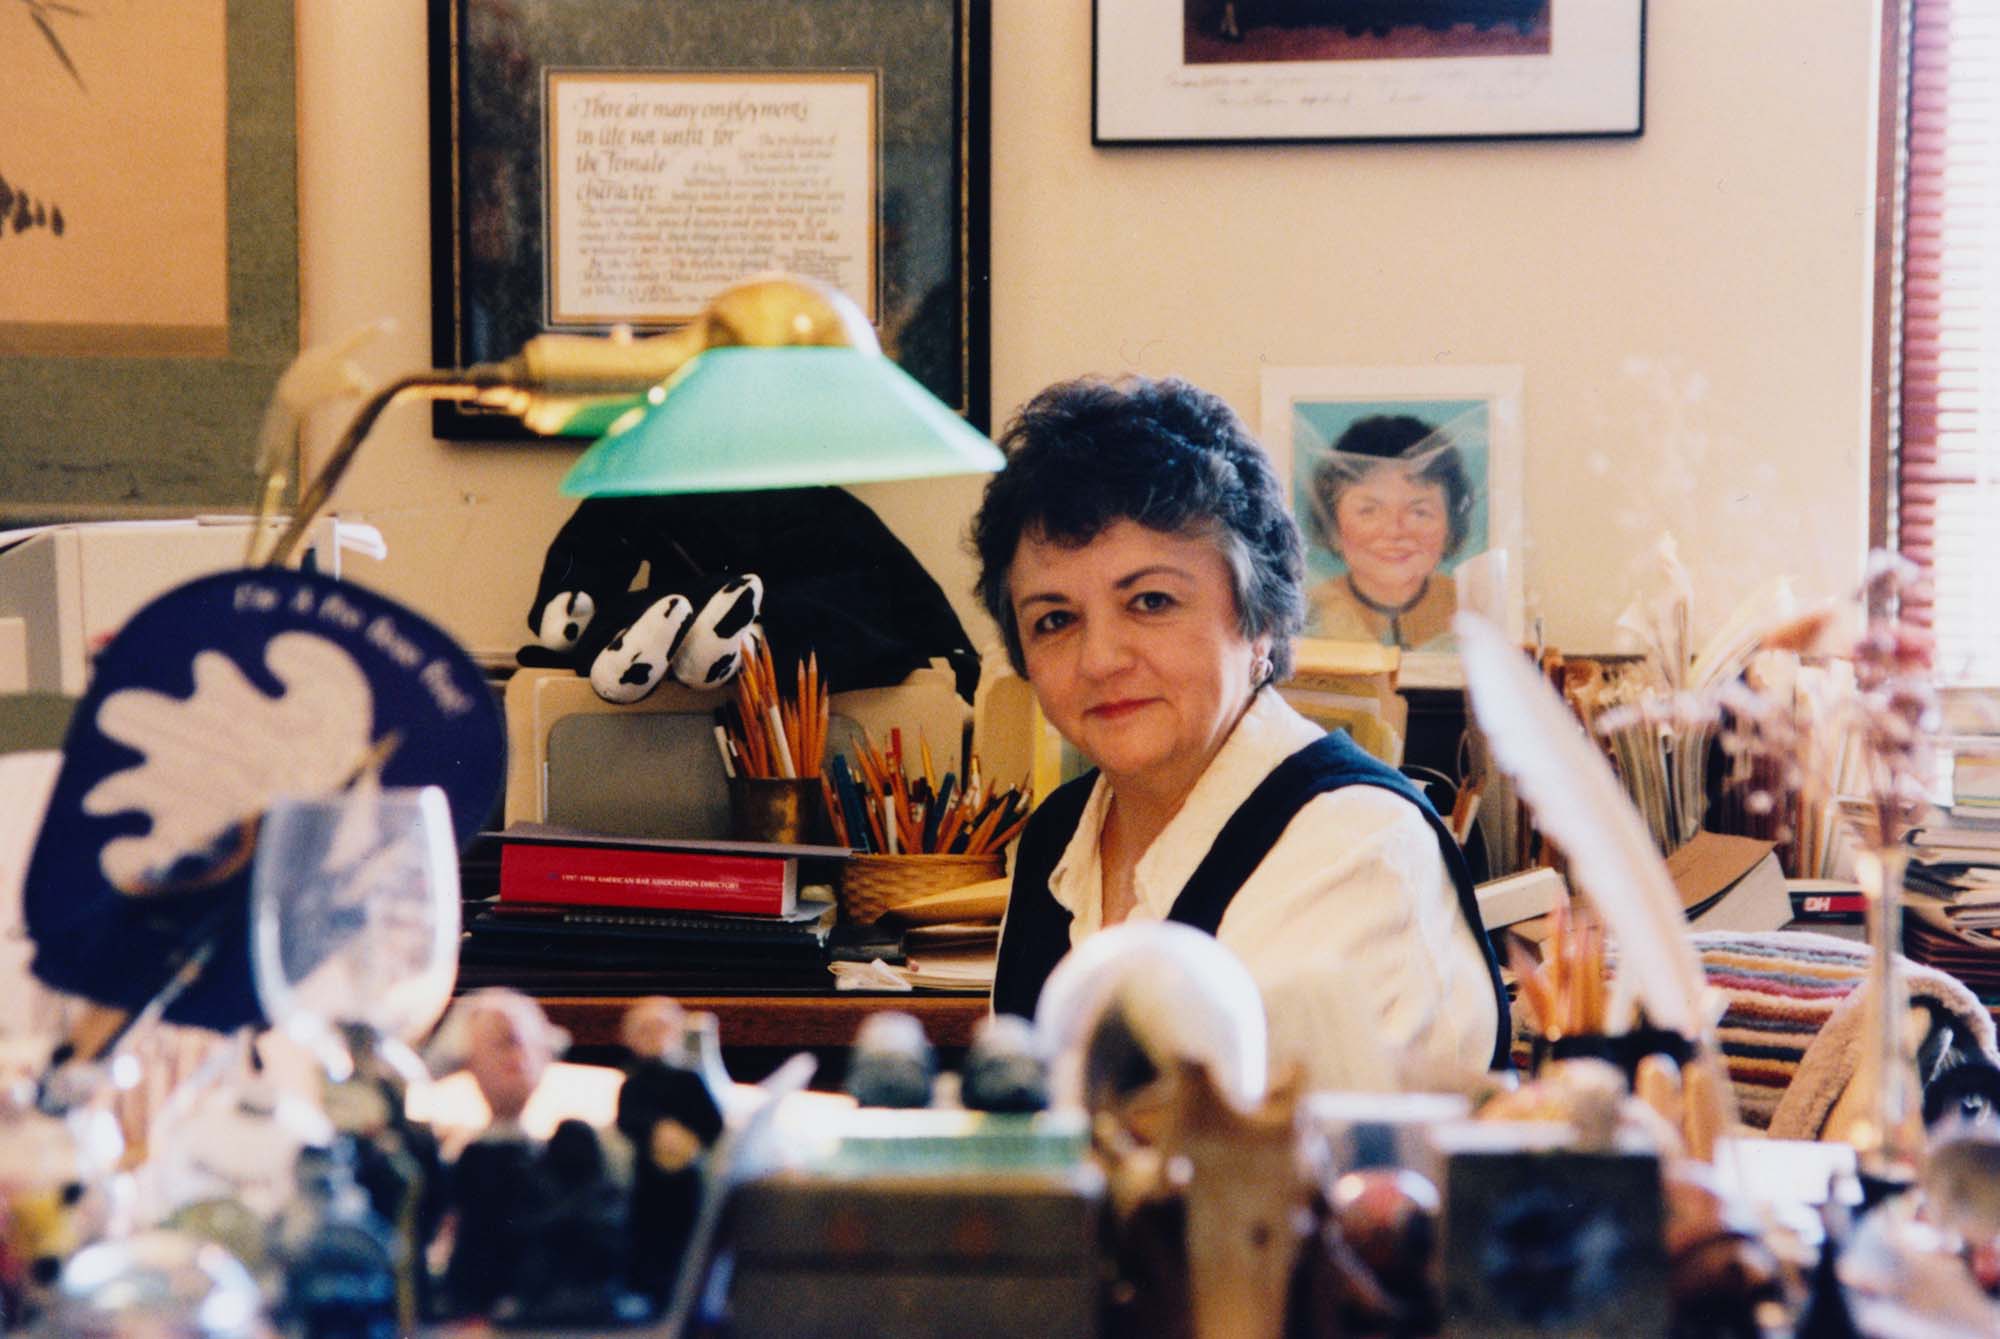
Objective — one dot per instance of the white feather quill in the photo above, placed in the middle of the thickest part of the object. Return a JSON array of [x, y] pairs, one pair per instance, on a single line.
[[1579, 804]]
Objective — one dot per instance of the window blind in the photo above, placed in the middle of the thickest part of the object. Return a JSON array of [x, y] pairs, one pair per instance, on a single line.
[[1948, 452]]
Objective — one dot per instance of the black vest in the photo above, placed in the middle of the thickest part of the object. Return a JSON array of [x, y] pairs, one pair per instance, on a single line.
[[1037, 932]]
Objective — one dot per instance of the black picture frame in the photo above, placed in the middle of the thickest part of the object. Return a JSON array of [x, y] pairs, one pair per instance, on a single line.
[[1168, 73], [488, 66]]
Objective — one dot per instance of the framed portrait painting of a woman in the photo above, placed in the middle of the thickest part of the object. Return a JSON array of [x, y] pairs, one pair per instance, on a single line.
[[1406, 485]]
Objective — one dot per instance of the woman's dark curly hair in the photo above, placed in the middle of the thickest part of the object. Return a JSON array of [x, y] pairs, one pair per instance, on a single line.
[[1389, 436], [1084, 454]]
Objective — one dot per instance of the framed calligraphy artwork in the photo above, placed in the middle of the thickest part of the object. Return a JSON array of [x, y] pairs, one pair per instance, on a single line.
[[608, 163]]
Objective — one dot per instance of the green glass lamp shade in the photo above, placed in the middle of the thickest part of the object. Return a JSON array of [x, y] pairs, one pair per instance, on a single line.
[[740, 418]]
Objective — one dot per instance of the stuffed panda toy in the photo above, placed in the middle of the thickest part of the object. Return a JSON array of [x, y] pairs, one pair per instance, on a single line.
[[637, 590], [698, 638]]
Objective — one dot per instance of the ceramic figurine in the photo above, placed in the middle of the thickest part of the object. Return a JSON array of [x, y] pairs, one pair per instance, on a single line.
[[336, 1254], [575, 1272], [1385, 1220], [506, 1043], [224, 1154], [672, 1113], [56, 1195], [892, 1064], [1003, 1073], [396, 1160], [1246, 1202], [653, 1028], [235, 1141], [1159, 1035], [1722, 1274]]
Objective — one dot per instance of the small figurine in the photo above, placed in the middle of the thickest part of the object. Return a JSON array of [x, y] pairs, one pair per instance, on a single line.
[[1160, 1037], [892, 1064], [670, 1111], [1721, 1272], [224, 1154], [508, 1046], [1003, 1072], [57, 1195], [576, 1272], [396, 1159], [505, 1041], [336, 1254], [1826, 1313], [1386, 1223], [653, 1028]]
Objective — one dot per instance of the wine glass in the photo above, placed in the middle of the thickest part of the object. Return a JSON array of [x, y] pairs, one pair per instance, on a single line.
[[354, 941], [354, 915]]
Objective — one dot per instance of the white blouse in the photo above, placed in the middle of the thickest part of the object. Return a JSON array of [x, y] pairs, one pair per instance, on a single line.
[[1350, 926]]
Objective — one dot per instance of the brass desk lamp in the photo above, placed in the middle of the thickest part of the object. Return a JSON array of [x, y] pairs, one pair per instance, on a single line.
[[778, 383]]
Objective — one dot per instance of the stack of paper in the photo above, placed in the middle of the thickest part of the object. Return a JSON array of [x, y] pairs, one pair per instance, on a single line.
[[944, 941], [1932, 935], [951, 956], [1952, 889], [1961, 881]]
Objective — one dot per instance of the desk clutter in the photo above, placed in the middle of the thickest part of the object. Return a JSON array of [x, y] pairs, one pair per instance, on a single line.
[[828, 832], [1131, 1162], [1096, 1171], [558, 910]]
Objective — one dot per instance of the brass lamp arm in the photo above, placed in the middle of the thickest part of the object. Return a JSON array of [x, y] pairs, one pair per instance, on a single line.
[[434, 385], [555, 376]]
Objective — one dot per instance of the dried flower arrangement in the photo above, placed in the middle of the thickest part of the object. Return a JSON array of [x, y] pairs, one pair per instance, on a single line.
[[1864, 716]]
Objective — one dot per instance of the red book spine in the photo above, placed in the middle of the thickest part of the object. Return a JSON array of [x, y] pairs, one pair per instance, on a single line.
[[600, 876], [1830, 904]]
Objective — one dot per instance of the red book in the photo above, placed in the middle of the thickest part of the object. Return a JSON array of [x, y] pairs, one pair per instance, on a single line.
[[1829, 905], [739, 878]]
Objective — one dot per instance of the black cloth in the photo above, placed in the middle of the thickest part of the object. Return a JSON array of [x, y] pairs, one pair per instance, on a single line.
[[837, 580], [1037, 933]]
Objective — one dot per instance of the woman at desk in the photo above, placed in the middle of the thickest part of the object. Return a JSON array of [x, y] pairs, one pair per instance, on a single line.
[[1140, 561]]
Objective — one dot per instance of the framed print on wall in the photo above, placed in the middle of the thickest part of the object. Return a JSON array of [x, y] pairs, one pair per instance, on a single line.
[[1406, 483], [149, 292], [1295, 71], [598, 163]]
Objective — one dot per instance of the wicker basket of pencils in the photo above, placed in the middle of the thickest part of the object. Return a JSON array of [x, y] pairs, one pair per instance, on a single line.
[[873, 885]]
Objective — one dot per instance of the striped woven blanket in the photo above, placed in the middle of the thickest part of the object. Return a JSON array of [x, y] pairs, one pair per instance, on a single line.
[[1792, 1031]]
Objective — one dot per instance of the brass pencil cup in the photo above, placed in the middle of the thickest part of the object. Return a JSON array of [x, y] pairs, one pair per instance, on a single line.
[[774, 809]]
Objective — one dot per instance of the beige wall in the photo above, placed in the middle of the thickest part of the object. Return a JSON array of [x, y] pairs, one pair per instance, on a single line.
[[1690, 308]]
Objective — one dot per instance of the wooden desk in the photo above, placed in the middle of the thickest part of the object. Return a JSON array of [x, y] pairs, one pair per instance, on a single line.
[[800, 1021]]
